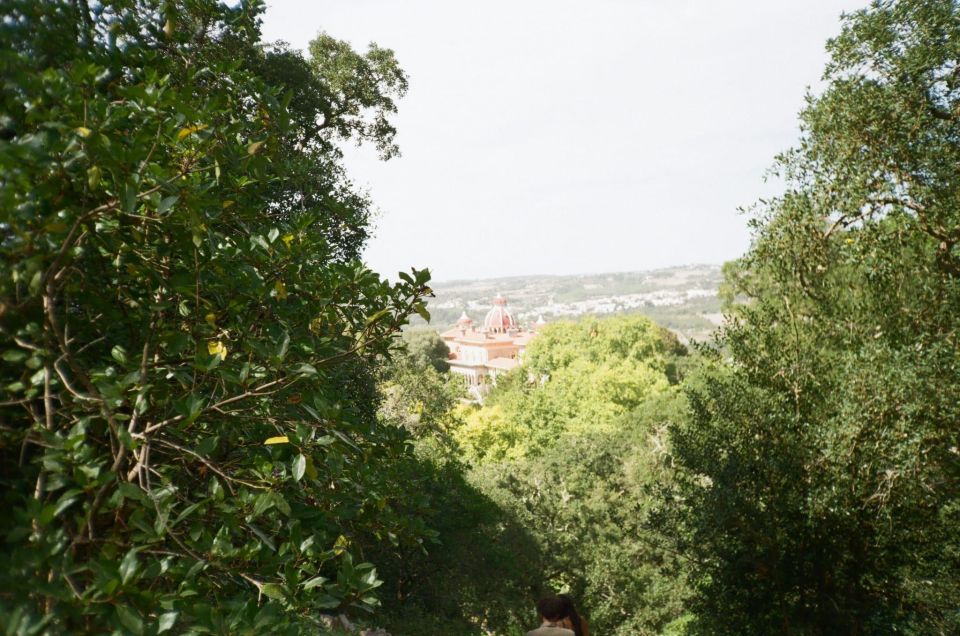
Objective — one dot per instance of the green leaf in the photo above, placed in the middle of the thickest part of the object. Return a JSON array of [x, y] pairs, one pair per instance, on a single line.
[[370, 579], [129, 566], [421, 310], [281, 503], [14, 355], [167, 621], [186, 512], [305, 369], [66, 500], [377, 316], [131, 491], [263, 537], [263, 502], [311, 470], [47, 514], [129, 200], [166, 204], [284, 346], [327, 601], [35, 282], [207, 445], [125, 438], [299, 466], [119, 354], [309, 584], [130, 618], [273, 590]]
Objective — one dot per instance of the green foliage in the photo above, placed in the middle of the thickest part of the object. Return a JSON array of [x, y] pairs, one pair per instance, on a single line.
[[474, 568], [187, 343], [476, 575], [576, 376], [417, 394], [354, 84], [425, 348], [572, 445], [487, 434], [820, 467], [590, 501]]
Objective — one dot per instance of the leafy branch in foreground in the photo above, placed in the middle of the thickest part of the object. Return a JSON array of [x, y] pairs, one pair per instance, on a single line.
[[175, 295]]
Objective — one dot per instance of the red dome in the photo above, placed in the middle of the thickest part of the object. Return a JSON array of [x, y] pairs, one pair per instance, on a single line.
[[499, 318]]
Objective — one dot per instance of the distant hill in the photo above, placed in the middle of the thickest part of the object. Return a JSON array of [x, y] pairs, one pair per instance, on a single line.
[[683, 299]]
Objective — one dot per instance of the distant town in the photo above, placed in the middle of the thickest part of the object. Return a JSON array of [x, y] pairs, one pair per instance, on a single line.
[[683, 299]]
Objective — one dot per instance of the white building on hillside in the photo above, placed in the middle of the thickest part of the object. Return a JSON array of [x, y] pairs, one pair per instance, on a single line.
[[479, 355]]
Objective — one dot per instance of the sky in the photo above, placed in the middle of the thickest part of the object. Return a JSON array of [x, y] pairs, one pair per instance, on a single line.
[[560, 137]]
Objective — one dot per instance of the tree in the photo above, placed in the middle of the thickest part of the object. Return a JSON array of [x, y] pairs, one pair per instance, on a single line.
[[418, 394], [591, 500], [820, 466], [576, 376], [572, 445], [425, 348], [474, 568], [187, 343]]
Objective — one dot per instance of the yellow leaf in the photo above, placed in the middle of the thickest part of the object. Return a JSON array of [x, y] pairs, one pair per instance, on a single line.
[[288, 239], [281, 290], [189, 130], [277, 440], [254, 147], [83, 131], [217, 348], [228, 203], [93, 177], [211, 319]]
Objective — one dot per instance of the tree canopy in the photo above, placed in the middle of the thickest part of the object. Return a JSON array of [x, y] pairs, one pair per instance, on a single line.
[[822, 489], [575, 376], [189, 438], [212, 421]]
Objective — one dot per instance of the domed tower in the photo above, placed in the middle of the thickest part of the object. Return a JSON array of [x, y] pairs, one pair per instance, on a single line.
[[499, 319], [464, 323]]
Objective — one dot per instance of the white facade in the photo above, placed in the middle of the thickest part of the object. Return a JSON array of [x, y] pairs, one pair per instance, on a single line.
[[480, 355]]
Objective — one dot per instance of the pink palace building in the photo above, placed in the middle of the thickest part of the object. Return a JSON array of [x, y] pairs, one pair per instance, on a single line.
[[494, 348]]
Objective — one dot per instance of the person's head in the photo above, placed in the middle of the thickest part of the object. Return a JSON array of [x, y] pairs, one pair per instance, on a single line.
[[551, 608], [570, 614]]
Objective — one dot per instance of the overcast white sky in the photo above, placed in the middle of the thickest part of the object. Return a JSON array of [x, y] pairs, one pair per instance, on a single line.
[[559, 137]]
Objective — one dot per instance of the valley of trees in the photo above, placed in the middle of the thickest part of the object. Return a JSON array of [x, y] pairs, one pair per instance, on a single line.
[[214, 421]]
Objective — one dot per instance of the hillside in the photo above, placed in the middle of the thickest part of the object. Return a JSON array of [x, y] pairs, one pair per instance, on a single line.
[[683, 298]]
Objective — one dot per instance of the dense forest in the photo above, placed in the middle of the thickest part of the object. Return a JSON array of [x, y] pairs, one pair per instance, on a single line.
[[213, 419]]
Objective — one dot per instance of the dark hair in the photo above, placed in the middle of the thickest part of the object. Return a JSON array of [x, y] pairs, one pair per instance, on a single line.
[[569, 611], [551, 608]]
